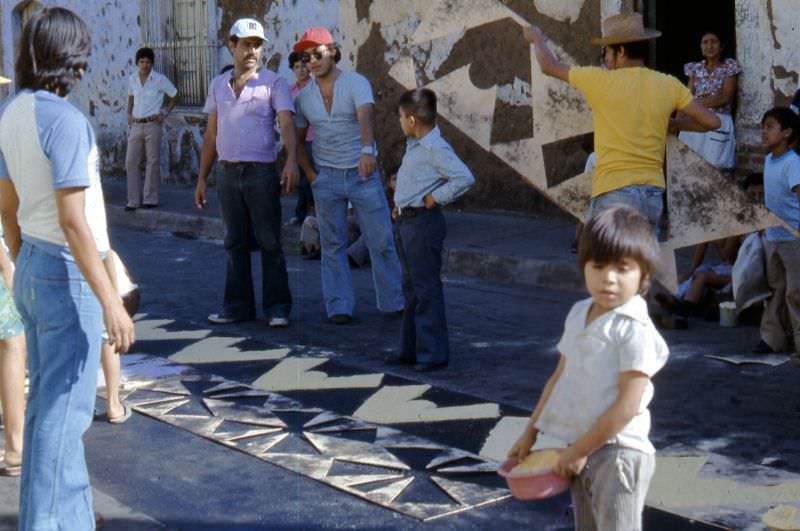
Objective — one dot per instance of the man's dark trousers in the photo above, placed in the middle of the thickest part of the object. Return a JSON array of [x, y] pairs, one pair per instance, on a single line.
[[420, 237], [249, 200], [305, 197]]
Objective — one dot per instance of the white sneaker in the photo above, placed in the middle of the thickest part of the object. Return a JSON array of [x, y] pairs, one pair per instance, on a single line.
[[278, 322]]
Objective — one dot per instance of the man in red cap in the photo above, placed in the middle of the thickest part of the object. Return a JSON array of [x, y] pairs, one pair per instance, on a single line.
[[243, 105], [339, 106]]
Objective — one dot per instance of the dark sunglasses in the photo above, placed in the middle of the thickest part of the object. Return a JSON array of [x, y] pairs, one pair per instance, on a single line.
[[316, 54]]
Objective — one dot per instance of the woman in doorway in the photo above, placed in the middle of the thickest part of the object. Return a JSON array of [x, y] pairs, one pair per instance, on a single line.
[[713, 82]]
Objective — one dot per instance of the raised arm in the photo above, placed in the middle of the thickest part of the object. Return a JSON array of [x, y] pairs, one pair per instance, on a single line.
[[548, 64]]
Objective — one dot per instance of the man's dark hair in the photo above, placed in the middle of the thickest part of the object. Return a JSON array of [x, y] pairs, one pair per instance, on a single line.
[[145, 53], [639, 50], [420, 103], [293, 58], [53, 51], [618, 233], [788, 120]]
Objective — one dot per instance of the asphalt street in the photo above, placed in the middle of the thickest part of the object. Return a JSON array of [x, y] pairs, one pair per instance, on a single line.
[[503, 338]]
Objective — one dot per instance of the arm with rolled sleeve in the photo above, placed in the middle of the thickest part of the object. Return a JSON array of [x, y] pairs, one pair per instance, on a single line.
[[456, 174]]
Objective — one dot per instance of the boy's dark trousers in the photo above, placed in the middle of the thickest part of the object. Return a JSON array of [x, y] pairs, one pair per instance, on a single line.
[[420, 237]]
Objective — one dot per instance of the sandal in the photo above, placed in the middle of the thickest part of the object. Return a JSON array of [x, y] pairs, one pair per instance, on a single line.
[[11, 471], [126, 414]]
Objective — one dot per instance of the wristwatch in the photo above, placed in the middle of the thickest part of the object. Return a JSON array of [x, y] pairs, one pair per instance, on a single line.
[[368, 150]]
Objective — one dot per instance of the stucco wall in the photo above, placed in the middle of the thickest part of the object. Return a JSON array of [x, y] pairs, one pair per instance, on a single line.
[[768, 48], [102, 95]]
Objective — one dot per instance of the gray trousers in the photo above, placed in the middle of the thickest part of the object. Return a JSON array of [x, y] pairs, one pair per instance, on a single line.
[[780, 324], [609, 494], [144, 143]]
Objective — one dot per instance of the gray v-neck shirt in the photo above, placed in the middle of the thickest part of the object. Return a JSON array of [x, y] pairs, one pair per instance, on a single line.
[[337, 136]]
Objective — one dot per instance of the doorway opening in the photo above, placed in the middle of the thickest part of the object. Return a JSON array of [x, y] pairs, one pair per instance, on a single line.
[[682, 23]]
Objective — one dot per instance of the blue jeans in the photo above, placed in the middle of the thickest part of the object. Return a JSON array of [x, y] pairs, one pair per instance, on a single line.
[[249, 200], [420, 240], [649, 200], [332, 190], [63, 326]]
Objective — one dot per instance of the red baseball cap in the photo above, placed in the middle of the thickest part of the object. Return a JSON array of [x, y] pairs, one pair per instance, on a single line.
[[312, 38]]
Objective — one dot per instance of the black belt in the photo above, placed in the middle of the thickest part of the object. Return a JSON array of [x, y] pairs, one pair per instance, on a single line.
[[145, 120], [410, 212]]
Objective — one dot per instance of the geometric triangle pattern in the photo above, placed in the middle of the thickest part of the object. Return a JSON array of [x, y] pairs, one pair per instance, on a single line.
[[373, 470], [702, 204]]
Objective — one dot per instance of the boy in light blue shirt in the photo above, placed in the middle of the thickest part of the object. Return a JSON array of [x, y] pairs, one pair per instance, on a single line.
[[431, 175], [780, 324]]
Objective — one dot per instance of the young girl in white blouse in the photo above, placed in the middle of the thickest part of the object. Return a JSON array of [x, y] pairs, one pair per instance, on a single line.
[[597, 398]]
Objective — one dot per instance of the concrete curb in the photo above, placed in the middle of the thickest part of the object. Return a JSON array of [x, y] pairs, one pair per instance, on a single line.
[[457, 261]]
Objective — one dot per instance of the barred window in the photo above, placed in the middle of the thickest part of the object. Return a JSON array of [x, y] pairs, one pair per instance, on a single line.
[[178, 33]]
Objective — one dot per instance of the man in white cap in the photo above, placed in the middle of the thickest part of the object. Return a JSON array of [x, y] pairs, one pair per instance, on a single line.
[[631, 106], [242, 107]]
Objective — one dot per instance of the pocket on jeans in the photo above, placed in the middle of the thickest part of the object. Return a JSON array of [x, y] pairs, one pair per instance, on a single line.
[[54, 305], [626, 475], [320, 173]]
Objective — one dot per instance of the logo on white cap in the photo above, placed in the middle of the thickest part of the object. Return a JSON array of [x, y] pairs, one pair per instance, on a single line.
[[247, 27]]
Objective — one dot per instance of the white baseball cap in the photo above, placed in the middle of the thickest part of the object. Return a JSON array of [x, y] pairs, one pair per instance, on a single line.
[[247, 27]]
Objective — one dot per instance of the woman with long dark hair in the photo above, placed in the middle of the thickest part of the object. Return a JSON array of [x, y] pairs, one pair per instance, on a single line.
[[55, 227]]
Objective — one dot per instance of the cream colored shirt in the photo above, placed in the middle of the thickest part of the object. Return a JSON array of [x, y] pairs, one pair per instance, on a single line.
[[621, 340], [149, 97]]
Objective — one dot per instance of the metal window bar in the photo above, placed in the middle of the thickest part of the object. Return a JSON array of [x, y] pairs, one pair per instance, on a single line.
[[177, 31]]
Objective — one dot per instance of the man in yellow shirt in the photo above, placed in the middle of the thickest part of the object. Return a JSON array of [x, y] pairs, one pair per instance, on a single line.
[[631, 106]]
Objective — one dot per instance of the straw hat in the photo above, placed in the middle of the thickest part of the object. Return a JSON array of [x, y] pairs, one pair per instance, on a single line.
[[620, 29], [4, 80]]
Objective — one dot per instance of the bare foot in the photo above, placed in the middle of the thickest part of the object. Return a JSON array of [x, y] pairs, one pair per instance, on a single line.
[[115, 409]]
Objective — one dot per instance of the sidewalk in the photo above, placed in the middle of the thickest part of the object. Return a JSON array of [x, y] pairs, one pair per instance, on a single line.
[[512, 248]]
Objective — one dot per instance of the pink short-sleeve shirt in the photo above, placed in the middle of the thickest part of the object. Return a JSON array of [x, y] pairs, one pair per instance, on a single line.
[[246, 126]]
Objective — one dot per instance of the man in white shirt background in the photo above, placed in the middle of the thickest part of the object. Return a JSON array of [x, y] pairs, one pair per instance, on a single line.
[[146, 92]]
